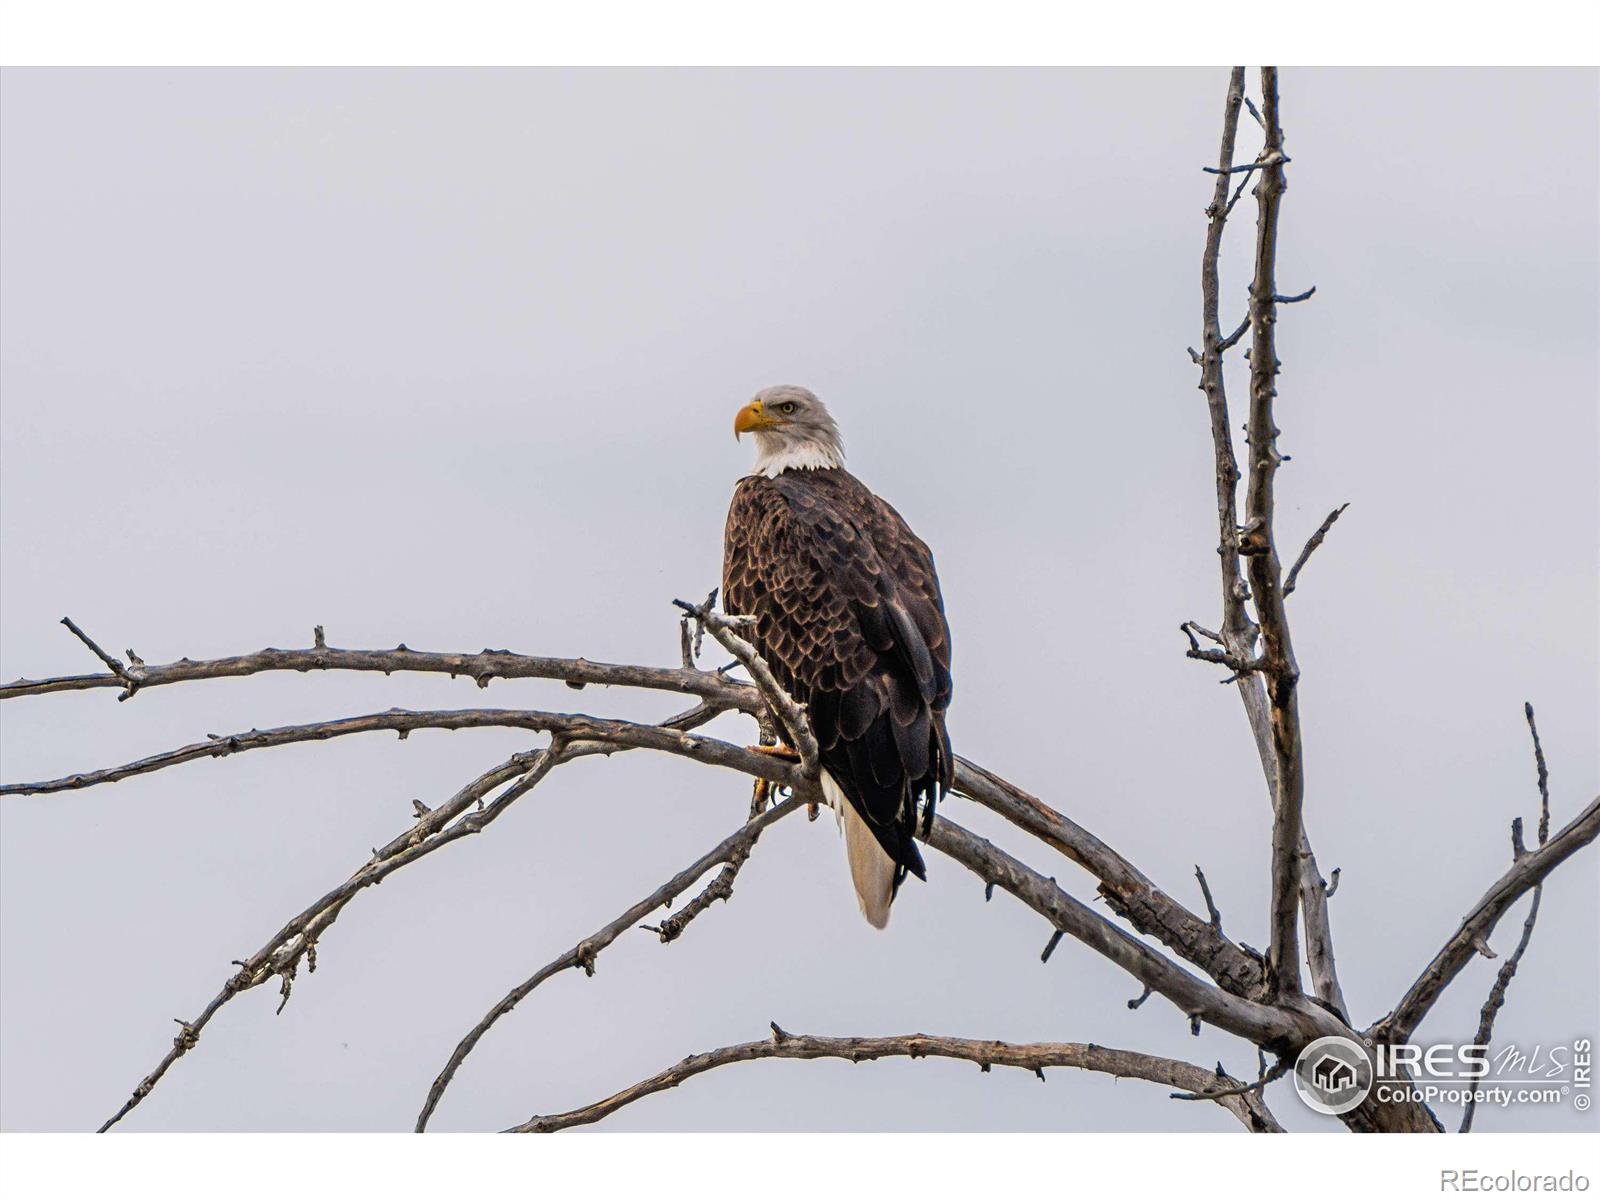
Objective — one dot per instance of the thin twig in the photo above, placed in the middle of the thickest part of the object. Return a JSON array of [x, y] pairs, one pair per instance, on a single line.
[[1269, 158], [1244, 182], [132, 676], [1278, 1072], [1211, 905], [1050, 946], [115, 664], [1544, 774], [1315, 541], [720, 888], [1239, 666]]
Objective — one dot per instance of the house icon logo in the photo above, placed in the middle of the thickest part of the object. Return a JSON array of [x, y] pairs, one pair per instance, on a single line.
[[1333, 1075]]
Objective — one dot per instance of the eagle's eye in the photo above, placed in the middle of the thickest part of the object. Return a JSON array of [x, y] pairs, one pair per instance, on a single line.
[[787, 407]]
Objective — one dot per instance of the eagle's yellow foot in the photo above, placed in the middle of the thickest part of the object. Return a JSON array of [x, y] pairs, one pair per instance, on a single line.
[[787, 753]]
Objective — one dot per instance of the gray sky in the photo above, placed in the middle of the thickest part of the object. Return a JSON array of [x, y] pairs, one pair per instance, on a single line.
[[450, 358]]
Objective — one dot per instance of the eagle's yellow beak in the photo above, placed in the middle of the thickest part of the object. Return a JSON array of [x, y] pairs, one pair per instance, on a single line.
[[752, 418]]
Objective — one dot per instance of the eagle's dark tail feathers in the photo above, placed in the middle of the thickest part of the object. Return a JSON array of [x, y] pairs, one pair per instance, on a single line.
[[882, 855]]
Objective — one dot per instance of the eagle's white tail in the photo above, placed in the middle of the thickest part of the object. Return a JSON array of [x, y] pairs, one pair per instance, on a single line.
[[871, 869]]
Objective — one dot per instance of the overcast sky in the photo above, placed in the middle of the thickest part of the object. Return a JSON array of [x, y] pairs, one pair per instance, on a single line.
[[451, 357]]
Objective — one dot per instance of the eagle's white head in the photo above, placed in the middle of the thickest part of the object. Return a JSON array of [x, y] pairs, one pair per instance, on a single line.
[[793, 430]]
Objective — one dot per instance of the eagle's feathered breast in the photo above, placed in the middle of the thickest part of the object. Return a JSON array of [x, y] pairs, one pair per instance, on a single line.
[[850, 619]]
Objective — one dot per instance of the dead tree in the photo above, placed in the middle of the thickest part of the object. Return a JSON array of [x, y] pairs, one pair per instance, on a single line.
[[1209, 978]]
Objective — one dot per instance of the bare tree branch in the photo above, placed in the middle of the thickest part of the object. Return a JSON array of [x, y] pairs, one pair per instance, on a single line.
[[1524, 875], [1314, 541], [483, 668], [1238, 633], [585, 952], [404, 721], [1035, 1057]]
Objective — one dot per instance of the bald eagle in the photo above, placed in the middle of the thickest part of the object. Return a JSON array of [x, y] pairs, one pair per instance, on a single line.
[[850, 619]]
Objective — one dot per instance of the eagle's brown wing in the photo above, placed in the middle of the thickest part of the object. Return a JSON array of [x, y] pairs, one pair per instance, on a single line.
[[850, 619]]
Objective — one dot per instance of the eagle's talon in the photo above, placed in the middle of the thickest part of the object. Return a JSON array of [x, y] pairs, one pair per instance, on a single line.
[[787, 753]]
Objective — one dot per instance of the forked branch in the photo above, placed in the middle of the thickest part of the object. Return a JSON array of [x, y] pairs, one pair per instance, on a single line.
[[1525, 874], [1273, 722]]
